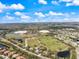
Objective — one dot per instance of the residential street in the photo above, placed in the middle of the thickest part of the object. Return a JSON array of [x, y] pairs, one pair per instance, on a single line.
[[42, 57]]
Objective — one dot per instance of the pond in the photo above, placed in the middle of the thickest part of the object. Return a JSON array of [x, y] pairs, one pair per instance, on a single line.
[[1, 30], [3, 46], [63, 54]]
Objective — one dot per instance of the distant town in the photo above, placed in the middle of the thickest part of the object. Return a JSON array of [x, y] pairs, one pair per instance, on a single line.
[[39, 40]]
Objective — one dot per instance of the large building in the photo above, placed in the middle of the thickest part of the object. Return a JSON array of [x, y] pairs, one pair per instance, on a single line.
[[20, 32], [44, 31]]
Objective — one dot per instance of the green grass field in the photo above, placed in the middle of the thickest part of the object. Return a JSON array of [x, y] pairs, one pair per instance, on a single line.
[[33, 42], [50, 42]]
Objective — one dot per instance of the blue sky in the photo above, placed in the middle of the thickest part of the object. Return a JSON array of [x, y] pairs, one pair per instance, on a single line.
[[25, 11]]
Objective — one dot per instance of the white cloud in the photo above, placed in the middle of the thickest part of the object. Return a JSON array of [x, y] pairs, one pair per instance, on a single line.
[[1, 11], [50, 14], [2, 6], [66, 19], [22, 15], [12, 6], [7, 17], [75, 2], [53, 16], [39, 14], [71, 19], [16, 6], [71, 2], [25, 17], [55, 2], [18, 13], [54, 13], [42, 1], [65, 0]]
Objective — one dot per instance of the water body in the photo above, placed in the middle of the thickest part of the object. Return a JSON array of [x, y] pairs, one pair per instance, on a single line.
[[1, 30], [2, 46]]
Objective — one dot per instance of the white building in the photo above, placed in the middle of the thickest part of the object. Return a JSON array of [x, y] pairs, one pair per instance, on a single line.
[[20, 32], [44, 31]]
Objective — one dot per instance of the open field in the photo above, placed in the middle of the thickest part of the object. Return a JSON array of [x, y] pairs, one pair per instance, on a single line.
[[51, 43]]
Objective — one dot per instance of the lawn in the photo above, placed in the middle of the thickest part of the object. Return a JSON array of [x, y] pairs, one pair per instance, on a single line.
[[52, 43], [32, 42]]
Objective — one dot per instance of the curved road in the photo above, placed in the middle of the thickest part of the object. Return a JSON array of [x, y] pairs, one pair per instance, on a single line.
[[42, 57]]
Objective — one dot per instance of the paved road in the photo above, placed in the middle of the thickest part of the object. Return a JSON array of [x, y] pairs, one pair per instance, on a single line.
[[77, 50], [42, 57]]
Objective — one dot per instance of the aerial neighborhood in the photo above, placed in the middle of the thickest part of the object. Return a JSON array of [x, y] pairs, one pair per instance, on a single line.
[[43, 43]]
